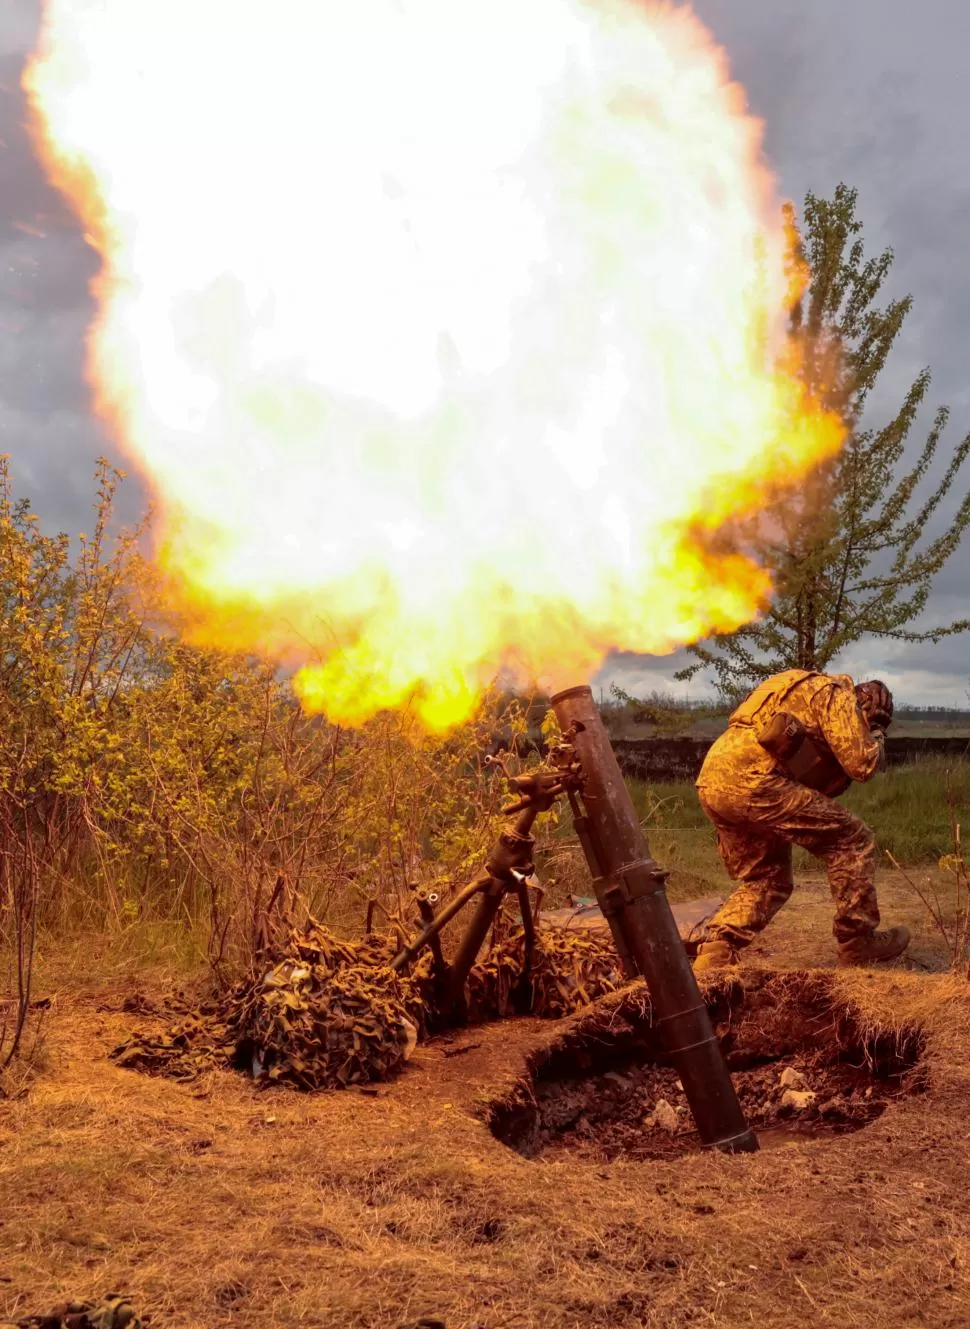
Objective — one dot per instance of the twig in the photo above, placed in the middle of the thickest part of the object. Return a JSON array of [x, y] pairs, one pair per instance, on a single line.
[[807, 1293], [934, 910], [960, 871], [25, 922]]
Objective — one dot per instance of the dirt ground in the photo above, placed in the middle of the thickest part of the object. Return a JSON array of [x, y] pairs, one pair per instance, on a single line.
[[801, 934], [212, 1203]]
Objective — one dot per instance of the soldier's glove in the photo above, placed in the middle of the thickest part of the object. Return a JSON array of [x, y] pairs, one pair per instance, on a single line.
[[876, 703]]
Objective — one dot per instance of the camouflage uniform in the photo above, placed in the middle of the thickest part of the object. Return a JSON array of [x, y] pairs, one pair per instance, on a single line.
[[759, 812]]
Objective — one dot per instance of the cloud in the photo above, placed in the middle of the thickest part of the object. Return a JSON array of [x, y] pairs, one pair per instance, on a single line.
[[918, 675], [874, 94], [18, 27], [45, 307], [52, 459]]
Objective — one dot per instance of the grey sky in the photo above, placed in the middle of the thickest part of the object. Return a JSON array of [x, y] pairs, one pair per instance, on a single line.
[[873, 92]]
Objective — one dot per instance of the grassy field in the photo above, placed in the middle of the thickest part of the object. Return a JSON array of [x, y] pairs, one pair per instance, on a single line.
[[911, 809], [907, 724]]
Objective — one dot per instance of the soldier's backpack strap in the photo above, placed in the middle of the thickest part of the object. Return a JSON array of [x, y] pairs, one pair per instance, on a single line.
[[767, 699]]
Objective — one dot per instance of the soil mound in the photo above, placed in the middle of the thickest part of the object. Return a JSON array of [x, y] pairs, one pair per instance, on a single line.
[[803, 1063]]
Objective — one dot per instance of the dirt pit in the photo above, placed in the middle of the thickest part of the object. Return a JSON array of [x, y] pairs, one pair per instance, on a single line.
[[804, 1065]]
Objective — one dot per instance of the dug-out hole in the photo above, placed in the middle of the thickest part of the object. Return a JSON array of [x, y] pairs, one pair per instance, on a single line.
[[804, 1064]]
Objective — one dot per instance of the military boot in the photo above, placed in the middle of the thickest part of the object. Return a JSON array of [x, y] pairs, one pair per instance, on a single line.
[[714, 955], [874, 946]]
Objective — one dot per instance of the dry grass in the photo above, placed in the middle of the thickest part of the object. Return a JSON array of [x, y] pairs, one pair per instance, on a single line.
[[214, 1204], [800, 935]]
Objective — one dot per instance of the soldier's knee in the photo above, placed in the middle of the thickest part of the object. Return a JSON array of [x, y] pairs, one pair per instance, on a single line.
[[863, 836], [857, 839]]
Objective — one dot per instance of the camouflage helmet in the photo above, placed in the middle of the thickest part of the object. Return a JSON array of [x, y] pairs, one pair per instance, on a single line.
[[876, 702]]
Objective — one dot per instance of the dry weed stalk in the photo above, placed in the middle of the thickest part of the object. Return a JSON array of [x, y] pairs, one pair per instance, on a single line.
[[953, 927], [19, 896]]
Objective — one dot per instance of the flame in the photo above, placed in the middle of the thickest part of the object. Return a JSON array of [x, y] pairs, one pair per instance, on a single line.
[[447, 336]]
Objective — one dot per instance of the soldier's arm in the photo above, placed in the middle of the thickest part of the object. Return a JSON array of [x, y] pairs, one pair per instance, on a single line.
[[859, 750]]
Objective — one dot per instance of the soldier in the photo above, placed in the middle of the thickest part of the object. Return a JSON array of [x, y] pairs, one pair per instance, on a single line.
[[770, 781]]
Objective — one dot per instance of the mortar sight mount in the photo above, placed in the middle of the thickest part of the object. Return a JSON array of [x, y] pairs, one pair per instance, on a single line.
[[630, 889]]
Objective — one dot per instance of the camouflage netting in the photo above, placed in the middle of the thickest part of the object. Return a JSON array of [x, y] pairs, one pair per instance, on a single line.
[[112, 1312], [324, 1013], [327, 1013], [568, 970]]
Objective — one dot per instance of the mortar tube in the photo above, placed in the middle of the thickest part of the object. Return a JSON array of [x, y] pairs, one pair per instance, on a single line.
[[630, 888]]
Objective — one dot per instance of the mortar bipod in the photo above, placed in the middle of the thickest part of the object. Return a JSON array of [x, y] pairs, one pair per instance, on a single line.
[[508, 868]]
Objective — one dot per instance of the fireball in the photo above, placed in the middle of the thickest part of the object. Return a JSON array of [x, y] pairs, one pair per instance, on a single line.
[[446, 336]]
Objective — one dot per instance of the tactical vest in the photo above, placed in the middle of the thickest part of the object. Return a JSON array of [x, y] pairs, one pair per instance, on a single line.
[[806, 759], [761, 706]]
